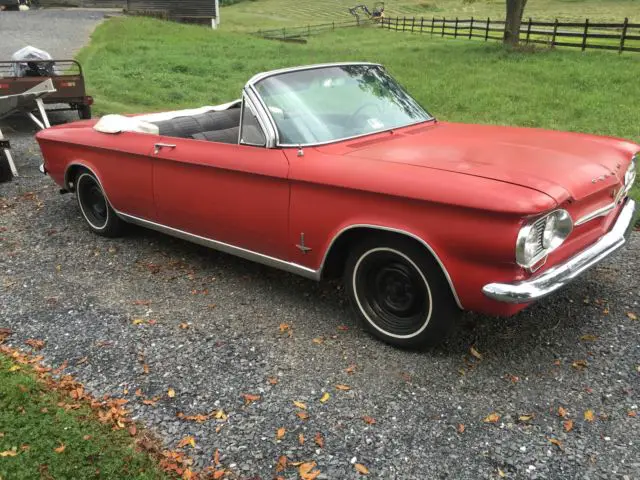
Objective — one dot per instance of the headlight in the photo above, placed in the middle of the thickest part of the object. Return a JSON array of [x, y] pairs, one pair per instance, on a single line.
[[540, 237], [630, 175]]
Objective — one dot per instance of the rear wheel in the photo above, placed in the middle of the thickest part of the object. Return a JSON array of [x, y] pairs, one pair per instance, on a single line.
[[400, 292], [94, 206]]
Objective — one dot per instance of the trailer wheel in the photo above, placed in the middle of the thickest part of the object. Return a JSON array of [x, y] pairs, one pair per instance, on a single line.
[[5, 170], [84, 111]]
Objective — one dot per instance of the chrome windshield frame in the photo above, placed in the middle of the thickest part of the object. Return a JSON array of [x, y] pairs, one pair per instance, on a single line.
[[267, 118]]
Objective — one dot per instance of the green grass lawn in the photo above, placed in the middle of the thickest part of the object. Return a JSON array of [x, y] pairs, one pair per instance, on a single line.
[[138, 64], [33, 426], [262, 14]]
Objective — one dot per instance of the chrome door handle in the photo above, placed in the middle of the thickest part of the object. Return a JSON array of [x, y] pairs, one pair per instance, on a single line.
[[160, 146]]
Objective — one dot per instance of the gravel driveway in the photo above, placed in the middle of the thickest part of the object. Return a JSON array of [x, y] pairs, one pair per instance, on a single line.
[[136, 316]]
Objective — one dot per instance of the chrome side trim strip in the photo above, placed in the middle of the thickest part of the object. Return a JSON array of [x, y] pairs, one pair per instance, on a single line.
[[600, 212], [224, 247], [560, 275], [401, 232]]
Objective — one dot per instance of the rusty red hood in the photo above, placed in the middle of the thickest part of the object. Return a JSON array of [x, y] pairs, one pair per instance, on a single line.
[[561, 164]]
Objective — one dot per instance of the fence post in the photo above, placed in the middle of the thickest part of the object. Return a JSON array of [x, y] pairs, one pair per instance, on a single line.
[[404, 23], [455, 30], [585, 34], [486, 32], [421, 24], [308, 30], [555, 32], [443, 21], [389, 23], [333, 25], [284, 34], [471, 29], [624, 34], [528, 30], [397, 21], [433, 21], [413, 23]]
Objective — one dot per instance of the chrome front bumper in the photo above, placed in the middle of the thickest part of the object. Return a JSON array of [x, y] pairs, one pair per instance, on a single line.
[[560, 275]]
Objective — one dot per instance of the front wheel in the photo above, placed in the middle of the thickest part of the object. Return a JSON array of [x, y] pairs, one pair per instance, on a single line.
[[94, 206], [400, 292]]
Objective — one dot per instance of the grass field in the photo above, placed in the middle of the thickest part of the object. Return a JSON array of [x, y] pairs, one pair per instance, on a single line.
[[262, 14], [40, 438], [137, 64]]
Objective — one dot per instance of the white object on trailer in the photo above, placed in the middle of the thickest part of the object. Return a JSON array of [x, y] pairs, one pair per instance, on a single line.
[[24, 103]]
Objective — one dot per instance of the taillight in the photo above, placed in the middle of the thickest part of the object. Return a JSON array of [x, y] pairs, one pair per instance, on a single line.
[[4, 85], [88, 100], [67, 84]]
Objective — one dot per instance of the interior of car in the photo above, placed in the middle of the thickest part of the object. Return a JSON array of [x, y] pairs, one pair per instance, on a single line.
[[214, 126]]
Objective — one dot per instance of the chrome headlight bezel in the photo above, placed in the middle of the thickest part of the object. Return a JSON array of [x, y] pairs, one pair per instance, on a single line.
[[630, 174], [541, 236]]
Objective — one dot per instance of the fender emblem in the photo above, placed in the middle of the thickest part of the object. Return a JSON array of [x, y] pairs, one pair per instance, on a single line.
[[301, 246]]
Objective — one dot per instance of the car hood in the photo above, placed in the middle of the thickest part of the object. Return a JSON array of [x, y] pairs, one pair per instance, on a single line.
[[561, 164]]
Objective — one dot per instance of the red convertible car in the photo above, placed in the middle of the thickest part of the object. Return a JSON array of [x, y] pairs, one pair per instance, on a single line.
[[330, 170]]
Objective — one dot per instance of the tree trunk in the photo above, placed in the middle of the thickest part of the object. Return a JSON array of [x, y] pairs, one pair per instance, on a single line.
[[515, 9]]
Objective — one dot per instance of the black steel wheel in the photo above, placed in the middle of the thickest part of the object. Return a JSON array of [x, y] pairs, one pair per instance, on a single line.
[[400, 292], [95, 207]]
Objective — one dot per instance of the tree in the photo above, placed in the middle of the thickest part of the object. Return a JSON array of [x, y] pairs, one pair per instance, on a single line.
[[515, 9]]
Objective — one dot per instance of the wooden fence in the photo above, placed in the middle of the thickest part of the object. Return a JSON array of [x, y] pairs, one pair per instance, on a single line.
[[621, 37], [298, 34]]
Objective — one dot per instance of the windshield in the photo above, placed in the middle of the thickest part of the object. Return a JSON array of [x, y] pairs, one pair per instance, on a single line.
[[326, 104]]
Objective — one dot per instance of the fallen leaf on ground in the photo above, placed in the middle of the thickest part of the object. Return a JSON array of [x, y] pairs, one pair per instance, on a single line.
[[171, 393], [87, 437], [184, 326], [35, 344], [568, 425], [145, 369], [556, 442], [460, 428], [588, 338], [343, 328], [301, 439], [284, 327], [14, 368], [580, 364], [133, 430], [307, 472], [282, 463], [475, 353], [303, 415], [369, 420], [60, 449], [492, 418], [249, 398], [272, 380], [361, 469], [501, 474], [632, 413], [526, 418], [280, 433], [344, 388], [325, 396], [562, 412], [350, 369], [188, 440], [216, 457], [588, 416], [319, 439], [9, 453], [220, 415], [632, 316], [318, 340], [300, 405], [138, 321], [218, 474], [188, 475]]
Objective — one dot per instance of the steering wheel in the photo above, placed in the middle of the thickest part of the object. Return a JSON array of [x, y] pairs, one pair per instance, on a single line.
[[355, 114]]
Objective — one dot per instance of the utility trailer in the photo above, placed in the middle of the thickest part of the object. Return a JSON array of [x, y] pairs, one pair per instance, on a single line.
[[22, 103]]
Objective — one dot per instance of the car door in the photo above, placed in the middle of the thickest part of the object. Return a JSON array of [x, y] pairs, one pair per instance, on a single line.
[[237, 194]]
